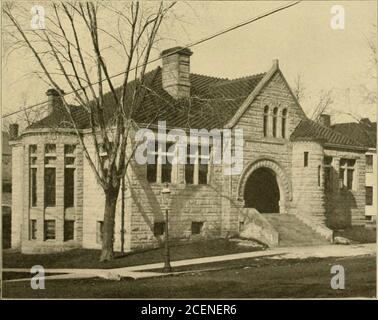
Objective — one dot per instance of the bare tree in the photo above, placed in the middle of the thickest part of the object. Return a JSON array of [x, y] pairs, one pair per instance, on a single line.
[[71, 53], [299, 88]]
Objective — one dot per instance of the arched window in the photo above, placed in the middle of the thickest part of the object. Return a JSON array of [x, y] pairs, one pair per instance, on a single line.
[[265, 121], [283, 127], [275, 113]]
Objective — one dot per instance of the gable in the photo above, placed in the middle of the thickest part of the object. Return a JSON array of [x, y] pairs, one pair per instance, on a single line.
[[272, 94]]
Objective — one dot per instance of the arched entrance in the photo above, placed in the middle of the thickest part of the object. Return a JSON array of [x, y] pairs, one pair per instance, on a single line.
[[263, 185], [262, 192]]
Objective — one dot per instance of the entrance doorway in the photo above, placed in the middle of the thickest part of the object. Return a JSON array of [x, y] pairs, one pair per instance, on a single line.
[[262, 192]]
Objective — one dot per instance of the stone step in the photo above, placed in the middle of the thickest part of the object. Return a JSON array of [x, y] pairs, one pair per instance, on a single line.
[[293, 232]]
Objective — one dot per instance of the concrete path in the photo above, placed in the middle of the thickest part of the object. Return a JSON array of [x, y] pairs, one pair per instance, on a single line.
[[136, 272]]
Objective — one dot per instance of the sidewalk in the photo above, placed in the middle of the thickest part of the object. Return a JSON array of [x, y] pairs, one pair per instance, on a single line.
[[136, 272]]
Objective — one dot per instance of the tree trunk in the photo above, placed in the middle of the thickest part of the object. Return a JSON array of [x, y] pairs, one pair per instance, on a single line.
[[111, 196]]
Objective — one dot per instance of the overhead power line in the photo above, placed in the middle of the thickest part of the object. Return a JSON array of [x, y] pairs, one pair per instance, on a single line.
[[217, 34]]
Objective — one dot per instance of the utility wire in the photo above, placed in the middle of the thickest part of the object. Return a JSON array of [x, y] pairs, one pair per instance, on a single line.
[[219, 33]]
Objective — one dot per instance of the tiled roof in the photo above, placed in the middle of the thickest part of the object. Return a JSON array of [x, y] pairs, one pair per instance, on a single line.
[[213, 101], [364, 132], [308, 130]]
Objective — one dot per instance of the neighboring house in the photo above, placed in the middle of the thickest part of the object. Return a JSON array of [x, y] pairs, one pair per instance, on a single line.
[[366, 133], [292, 168], [6, 194]]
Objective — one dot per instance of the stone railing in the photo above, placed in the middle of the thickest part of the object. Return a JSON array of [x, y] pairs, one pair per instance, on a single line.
[[256, 227], [319, 228]]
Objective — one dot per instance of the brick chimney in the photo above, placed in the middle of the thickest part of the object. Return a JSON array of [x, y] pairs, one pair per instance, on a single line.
[[176, 70], [54, 100], [325, 120]]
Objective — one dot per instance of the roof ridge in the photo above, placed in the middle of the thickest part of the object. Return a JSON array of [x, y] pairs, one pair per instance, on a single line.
[[335, 132], [248, 77], [207, 76]]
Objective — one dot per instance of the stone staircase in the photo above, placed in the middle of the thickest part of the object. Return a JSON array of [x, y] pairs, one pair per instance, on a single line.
[[293, 232]]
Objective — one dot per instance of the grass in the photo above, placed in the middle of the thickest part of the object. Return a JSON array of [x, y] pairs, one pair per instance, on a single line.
[[358, 234], [308, 278], [85, 258]]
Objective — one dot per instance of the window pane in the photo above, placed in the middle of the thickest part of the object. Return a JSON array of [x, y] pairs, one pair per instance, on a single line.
[[151, 172], [369, 163], [69, 187], [33, 149], [69, 230], [197, 227], [69, 148], [305, 159], [341, 176], [159, 228], [50, 148], [49, 229], [369, 196], [202, 173], [33, 229], [152, 161], [349, 179], [50, 187], [166, 170], [327, 160], [33, 187], [283, 127], [328, 179], [189, 172], [265, 129], [275, 122]]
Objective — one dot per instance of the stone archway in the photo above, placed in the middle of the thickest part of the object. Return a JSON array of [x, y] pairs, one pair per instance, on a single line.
[[262, 192], [264, 186]]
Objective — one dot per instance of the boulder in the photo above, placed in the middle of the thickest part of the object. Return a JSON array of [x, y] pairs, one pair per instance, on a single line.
[[341, 240]]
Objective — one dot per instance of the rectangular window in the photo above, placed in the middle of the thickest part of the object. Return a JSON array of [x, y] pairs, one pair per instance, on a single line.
[[369, 196], [33, 229], [197, 227], [166, 172], [305, 159], [349, 179], [166, 168], [33, 187], [69, 187], [7, 187], [33, 174], [203, 164], [328, 173], [369, 163], [99, 231], [159, 228], [69, 227], [49, 229], [328, 179], [346, 173], [50, 187], [69, 149], [152, 159], [189, 166], [50, 149]]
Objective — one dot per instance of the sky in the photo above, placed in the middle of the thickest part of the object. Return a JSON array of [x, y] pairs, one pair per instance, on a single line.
[[301, 38]]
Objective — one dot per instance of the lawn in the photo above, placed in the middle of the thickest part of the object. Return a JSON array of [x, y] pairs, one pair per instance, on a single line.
[[358, 234], [84, 258], [256, 278]]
